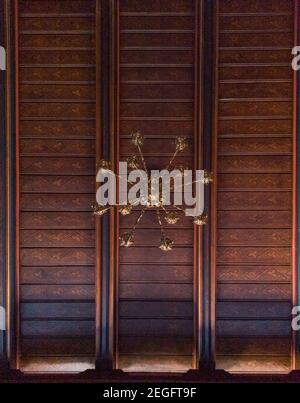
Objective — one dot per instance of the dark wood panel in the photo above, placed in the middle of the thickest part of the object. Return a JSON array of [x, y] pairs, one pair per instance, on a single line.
[[157, 6], [57, 41], [150, 236], [254, 292], [154, 147], [148, 22], [253, 328], [158, 127], [256, 6], [156, 91], [256, 364], [256, 22], [150, 309], [66, 147], [253, 310], [258, 127], [279, 237], [255, 201], [56, 238], [156, 273], [153, 39], [157, 57], [59, 57], [253, 274], [254, 108], [59, 92], [158, 109], [56, 7], [148, 255], [255, 72], [184, 74], [246, 55], [163, 292], [69, 166], [57, 74], [255, 181], [63, 110], [60, 364], [57, 202], [155, 363], [276, 39], [60, 184], [252, 90], [57, 129], [259, 255], [61, 310], [259, 164], [264, 146], [48, 220], [61, 347], [252, 346], [52, 328], [58, 275], [156, 345], [54, 257], [156, 327], [57, 24], [254, 219], [57, 293]]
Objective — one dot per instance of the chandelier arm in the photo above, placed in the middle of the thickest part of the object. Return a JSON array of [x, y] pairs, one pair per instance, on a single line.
[[142, 158], [160, 222], [171, 160]]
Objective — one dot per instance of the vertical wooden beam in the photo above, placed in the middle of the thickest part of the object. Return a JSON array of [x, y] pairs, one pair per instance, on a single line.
[[207, 297], [11, 303], [106, 149], [296, 190], [3, 352]]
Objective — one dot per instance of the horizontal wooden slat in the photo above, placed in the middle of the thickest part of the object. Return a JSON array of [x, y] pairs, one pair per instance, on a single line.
[[254, 108], [157, 57], [58, 92], [267, 146], [256, 6], [152, 22], [57, 23], [150, 221], [51, 41], [156, 273], [57, 202], [56, 147], [148, 255], [60, 347], [150, 237], [252, 90], [258, 127], [56, 238], [254, 201], [59, 184], [279, 237], [253, 328], [48, 220], [254, 219], [159, 127], [138, 309], [253, 310], [57, 129], [57, 74], [252, 346], [57, 293], [254, 163], [264, 55], [254, 274], [255, 72], [155, 345], [156, 91], [52, 364], [57, 328], [255, 181], [256, 22], [57, 275], [283, 39], [156, 327], [154, 147], [255, 364], [150, 291], [57, 165], [70, 310], [53, 6], [63, 110], [58, 57], [157, 6], [156, 109], [54, 257], [142, 363], [267, 255], [184, 74], [255, 292]]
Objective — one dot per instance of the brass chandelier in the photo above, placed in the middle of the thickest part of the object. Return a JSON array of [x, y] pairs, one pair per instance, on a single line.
[[170, 214]]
